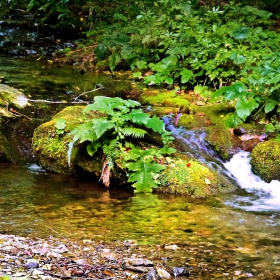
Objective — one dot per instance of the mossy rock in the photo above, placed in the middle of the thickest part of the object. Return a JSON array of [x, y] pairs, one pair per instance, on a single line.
[[51, 148], [187, 176], [265, 160], [164, 98], [220, 139], [182, 174]]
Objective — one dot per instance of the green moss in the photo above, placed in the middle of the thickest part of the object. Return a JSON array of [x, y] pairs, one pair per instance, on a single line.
[[182, 174], [212, 117], [166, 98], [187, 121], [187, 176], [265, 160], [221, 140], [51, 148]]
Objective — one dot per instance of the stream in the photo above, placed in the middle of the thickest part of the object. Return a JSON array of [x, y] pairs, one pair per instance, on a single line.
[[37, 203]]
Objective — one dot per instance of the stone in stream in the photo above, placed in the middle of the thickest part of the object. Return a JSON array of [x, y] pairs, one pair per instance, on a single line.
[[9, 98]]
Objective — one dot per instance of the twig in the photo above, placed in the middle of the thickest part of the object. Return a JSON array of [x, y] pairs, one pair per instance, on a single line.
[[58, 102], [56, 232], [95, 89]]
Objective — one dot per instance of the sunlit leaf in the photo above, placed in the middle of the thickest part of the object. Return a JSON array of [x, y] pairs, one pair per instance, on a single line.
[[101, 125], [156, 124], [245, 106], [269, 107], [186, 74], [60, 124]]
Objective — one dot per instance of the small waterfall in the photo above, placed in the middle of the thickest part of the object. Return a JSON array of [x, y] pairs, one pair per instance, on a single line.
[[192, 142], [69, 152], [262, 196]]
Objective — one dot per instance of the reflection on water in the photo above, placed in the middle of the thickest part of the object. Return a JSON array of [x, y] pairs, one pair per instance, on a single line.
[[37, 203]]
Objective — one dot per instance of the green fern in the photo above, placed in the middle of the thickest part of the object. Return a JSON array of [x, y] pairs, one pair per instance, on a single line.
[[111, 151], [109, 134], [134, 132]]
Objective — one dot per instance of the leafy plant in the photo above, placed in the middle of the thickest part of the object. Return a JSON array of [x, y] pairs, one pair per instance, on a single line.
[[119, 122], [60, 125]]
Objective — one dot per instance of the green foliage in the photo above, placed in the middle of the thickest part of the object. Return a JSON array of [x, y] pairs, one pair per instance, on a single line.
[[119, 122], [182, 42], [60, 125]]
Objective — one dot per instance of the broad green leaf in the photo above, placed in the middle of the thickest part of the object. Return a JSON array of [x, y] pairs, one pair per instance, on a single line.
[[60, 124], [232, 120], [269, 107], [231, 92], [269, 128], [244, 107], [107, 105], [166, 150], [101, 125], [186, 74], [156, 124], [114, 60], [141, 64], [93, 147], [126, 52], [84, 132], [137, 74], [238, 58], [169, 80], [252, 10], [120, 39], [100, 51], [241, 33], [138, 116], [143, 175], [134, 132]]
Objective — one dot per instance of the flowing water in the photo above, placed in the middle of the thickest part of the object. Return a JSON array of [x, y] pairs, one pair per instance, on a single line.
[[244, 226]]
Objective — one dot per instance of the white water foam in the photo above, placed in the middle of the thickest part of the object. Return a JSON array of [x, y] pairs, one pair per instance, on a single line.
[[264, 196]]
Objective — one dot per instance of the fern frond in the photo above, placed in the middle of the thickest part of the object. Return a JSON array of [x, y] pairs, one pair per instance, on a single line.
[[134, 132], [111, 151]]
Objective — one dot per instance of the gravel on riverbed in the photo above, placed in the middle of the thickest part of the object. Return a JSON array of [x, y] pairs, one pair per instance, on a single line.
[[52, 258]]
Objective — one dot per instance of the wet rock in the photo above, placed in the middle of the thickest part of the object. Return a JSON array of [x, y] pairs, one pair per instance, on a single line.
[[11, 97], [31, 263], [163, 274], [239, 131], [153, 275], [179, 271], [171, 247]]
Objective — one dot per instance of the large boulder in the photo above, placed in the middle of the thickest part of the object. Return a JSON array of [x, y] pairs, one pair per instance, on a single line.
[[265, 160], [182, 174]]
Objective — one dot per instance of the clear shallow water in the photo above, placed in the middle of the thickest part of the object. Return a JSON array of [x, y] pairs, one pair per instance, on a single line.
[[39, 204]]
